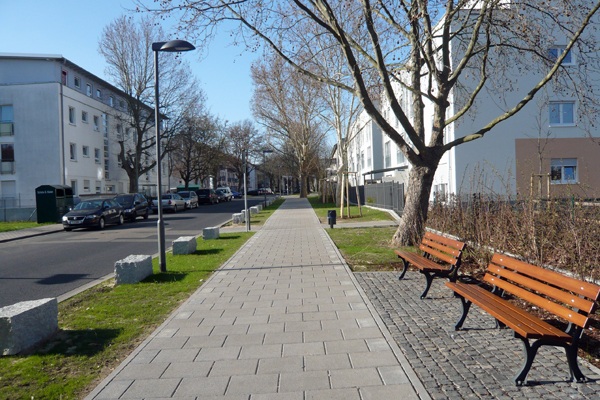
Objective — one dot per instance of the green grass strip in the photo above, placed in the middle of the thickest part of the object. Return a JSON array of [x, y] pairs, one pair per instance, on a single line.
[[18, 225], [100, 327], [368, 214]]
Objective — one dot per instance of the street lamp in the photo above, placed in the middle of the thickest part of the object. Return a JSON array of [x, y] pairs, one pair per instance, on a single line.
[[265, 151], [170, 46]]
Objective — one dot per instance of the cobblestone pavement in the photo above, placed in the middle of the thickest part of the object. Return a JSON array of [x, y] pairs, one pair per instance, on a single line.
[[476, 362]]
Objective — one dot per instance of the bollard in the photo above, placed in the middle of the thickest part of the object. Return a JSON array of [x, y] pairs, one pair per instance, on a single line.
[[331, 215]]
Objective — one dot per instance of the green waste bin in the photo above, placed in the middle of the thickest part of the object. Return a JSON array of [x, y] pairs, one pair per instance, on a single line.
[[52, 202]]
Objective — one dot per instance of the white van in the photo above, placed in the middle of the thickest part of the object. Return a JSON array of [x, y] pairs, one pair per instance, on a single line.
[[227, 191]]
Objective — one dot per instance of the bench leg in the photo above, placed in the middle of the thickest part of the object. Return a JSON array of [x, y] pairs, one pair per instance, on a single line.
[[405, 264], [529, 353], [429, 278], [576, 374], [466, 305]]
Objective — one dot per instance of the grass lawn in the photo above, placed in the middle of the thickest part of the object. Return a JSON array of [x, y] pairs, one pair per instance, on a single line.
[[100, 327], [18, 225], [369, 214], [367, 249]]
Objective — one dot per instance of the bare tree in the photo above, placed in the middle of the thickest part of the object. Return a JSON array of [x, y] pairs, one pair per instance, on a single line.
[[289, 105], [126, 45], [243, 137], [441, 51]]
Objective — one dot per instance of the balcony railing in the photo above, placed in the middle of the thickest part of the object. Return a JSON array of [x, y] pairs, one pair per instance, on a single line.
[[7, 167], [7, 129]]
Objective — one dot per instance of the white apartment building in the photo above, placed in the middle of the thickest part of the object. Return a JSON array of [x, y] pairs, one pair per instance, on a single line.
[[60, 124]]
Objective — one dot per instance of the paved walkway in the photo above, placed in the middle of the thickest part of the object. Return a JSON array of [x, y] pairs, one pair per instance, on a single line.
[[25, 233], [283, 319]]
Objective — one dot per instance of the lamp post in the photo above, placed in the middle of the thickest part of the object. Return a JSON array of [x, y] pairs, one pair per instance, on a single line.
[[170, 46], [265, 151]]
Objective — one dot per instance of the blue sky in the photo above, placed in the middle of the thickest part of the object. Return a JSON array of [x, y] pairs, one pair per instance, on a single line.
[[72, 28]]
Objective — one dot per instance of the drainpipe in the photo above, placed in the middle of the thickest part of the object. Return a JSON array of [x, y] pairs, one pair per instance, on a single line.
[[62, 130]]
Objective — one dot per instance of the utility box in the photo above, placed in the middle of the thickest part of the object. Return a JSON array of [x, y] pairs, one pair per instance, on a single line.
[[331, 217], [52, 202]]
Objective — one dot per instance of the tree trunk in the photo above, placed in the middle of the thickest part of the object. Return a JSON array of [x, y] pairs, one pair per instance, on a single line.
[[303, 188], [414, 215], [132, 184]]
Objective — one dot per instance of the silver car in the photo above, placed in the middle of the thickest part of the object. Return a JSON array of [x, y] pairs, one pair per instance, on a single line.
[[191, 199], [172, 202]]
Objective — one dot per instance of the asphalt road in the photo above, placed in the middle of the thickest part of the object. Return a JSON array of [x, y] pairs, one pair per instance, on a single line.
[[51, 265]]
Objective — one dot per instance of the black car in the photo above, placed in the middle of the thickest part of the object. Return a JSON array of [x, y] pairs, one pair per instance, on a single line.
[[134, 205], [207, 196], [93, 213], [221, 195]]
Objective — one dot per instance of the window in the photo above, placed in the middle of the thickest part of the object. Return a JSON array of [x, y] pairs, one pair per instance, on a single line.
[[563, 170], [74, 186], [110, 189], [77, 82], [71, 115], [112, 101], [122, 104], [85, 151], [562, 113], [73, 152], [96, 123], [64, 77], [362, 160], [369, 157], [84, 117], [400, 157], [97, 156], [6, 121], [557, 51], [86, 185], [119, 131], [98, 187], [105, 124], [89, 90], [387, 154], [7, 152], [440, 191], [99, 93]]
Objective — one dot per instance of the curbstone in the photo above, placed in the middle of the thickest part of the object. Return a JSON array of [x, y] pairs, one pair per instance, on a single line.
[[260, 206], [24, 324], [254, 210], [238, 218], [133, 269], [210, 233], [184, 245]]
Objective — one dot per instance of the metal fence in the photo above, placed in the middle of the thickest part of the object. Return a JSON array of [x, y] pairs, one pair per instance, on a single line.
[[388, 195], [17, 208]]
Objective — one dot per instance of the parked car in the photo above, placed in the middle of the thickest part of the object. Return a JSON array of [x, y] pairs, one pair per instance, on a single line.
[[172, 202], [252, 192], [221, 195], [227, 191], [134, 205], [237, 195], [207, 196], [93, 213], [191, 199]]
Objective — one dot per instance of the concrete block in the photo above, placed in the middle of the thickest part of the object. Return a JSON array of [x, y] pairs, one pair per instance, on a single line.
[[133, 269], [261, 206], [24, 324], [210, 233], [184, 245], [254, 210], [238, 218]]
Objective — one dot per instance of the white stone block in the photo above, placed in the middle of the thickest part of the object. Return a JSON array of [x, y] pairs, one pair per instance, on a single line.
[[133, 269], [254, 210], [27, 323], [184, 245], [210, 233], [260, 206], [238, 218]]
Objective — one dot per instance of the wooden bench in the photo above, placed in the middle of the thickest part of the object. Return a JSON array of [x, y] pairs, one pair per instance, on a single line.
[[443, 248], [568, 298]]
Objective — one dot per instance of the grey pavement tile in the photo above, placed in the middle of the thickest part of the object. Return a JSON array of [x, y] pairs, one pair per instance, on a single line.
[[238, 314], [334, 307], [334, 394], [202, 387], [366, 322], [261, 351], [218, 353], [233, 367], [252, 319], [281, 365], [183, 315], [184, 323], [303, 326], [373, 359], [358, 306], [143, 371], [359, 377], [197, 342], [188, 369], [270, 310], [267, 327], [378, 344], [273, 296], [346, 346], [303, 381], [287, 303], [194, 331], [145, 356], [283, 337], [167, 343], [356, 314], [175, 355], [404, 392], [321, 299], [223, 320], [253, 384], [228, 306], [339, 324], [114, 389], [230, 329], [167, 333], [278, 396], [141, 388], [283, 317], [323, 336], [362, 333], [302, 308], [327, 362], [393, 375], [303, 349], [243, 340], [319, 316]]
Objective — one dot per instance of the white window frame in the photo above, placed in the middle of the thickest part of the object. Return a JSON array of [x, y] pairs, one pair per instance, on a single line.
[[98, 93], [72, 116], [112, 101], [560, 104], [86, 185], [96, 123], [98, 187], [85, 151], [559, 164], [97, 155], [84, 117], [387, 154], [72, 152], [559, 51], [369, 157], [77, 82], [89, 90], [74, 186]]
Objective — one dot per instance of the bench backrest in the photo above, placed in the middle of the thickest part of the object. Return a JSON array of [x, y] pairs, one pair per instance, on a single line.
[[446, 249], [566, 297]]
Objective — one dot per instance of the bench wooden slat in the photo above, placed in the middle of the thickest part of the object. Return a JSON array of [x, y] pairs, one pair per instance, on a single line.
[[445, 240], [525, 324], [586, 289], [438, 254], [569, 315], [424, 263], [434, 248], [540, 287]]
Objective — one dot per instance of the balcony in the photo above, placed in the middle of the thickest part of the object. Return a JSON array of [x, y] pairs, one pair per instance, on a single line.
[[7, 129], [7, 167]]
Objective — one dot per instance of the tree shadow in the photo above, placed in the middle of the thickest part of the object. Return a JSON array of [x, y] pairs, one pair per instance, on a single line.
[[169, 276], [79, 342], [229, 237]]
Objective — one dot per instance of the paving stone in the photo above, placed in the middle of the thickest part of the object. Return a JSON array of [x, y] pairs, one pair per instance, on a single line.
[[253, 384], [188, 369], [261, 351], [141, 388], [359, 377], [281, 365], [233, 367], [333, 394], [202, 387], [327, 362], [303, 381], [143, 371]]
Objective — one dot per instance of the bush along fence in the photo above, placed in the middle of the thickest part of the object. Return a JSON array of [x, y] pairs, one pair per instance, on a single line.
[[557, 232]]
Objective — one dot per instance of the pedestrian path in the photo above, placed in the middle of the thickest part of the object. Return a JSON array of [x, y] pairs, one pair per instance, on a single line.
[[283, 319], [30, 232]]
